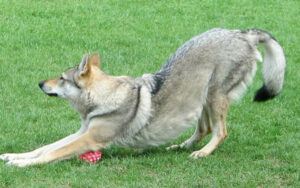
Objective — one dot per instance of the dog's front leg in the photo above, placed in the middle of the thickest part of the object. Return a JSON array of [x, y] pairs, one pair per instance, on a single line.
[[82, 144], [44, 149]]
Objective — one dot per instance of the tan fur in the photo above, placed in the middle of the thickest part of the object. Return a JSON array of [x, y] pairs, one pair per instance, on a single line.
[[218, 109], [52, 82], [92, 74]]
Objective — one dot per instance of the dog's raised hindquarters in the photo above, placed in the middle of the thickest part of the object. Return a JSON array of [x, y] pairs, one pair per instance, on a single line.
[[197, 83]]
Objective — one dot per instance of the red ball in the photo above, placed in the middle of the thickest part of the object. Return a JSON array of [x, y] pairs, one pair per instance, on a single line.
[[91, 156]]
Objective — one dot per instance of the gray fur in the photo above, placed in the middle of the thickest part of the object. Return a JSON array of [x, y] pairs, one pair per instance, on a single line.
[[196, 83], [216, 62]]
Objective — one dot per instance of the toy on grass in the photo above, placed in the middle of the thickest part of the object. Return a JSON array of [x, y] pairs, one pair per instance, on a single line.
[[90, 156]]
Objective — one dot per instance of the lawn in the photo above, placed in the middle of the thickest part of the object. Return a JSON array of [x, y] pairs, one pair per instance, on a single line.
[[40, 39]]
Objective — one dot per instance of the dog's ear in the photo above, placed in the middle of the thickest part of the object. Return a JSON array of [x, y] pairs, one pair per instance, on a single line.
[[94, 60], [83, 66], [87, 63]]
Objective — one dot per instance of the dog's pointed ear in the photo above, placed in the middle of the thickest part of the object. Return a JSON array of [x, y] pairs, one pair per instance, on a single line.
[[87, 64], [83, 66], [94, 60]]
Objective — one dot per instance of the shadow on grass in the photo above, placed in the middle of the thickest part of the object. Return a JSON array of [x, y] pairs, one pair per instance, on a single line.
[[116, 152]]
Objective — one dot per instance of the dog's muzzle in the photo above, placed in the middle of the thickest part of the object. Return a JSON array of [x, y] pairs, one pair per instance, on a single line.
[[41, 85]]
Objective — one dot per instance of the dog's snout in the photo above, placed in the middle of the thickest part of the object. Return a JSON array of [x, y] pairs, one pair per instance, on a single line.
[[41, 84]]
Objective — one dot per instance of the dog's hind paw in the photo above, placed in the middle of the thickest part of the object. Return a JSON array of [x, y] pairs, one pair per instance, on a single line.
[[186, 144], [173, 147], [198, 154]]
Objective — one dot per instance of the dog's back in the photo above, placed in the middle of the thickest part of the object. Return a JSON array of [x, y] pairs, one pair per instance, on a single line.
[[209, 70]]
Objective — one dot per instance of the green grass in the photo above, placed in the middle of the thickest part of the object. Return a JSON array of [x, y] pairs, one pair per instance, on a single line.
[[40, 39]]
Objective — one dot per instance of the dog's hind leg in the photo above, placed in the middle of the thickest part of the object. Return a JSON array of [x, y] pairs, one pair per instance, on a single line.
[[203, 128], [218, 111]]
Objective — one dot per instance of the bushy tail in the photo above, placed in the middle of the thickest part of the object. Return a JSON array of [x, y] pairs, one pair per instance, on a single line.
[[273, 69]]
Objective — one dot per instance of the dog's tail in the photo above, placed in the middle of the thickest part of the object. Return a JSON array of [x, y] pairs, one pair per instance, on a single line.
[[273, 69]]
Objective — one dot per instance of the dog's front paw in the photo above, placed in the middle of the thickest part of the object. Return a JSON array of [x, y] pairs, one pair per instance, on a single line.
[[5, 156], [9, 156], [19, 163], [2, 157]]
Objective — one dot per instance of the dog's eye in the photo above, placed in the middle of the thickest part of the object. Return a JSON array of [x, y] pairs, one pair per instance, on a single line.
[[61, 78]]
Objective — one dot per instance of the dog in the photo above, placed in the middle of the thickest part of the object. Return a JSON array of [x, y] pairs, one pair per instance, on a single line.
[[196, 83]]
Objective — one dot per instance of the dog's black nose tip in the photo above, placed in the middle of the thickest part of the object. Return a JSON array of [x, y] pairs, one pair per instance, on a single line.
[[41, 84]]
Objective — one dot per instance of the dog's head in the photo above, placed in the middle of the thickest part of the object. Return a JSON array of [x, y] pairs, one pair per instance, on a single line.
[[72, 82]]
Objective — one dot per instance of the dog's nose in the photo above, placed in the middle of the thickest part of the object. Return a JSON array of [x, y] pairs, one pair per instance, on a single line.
[[41, 84]]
